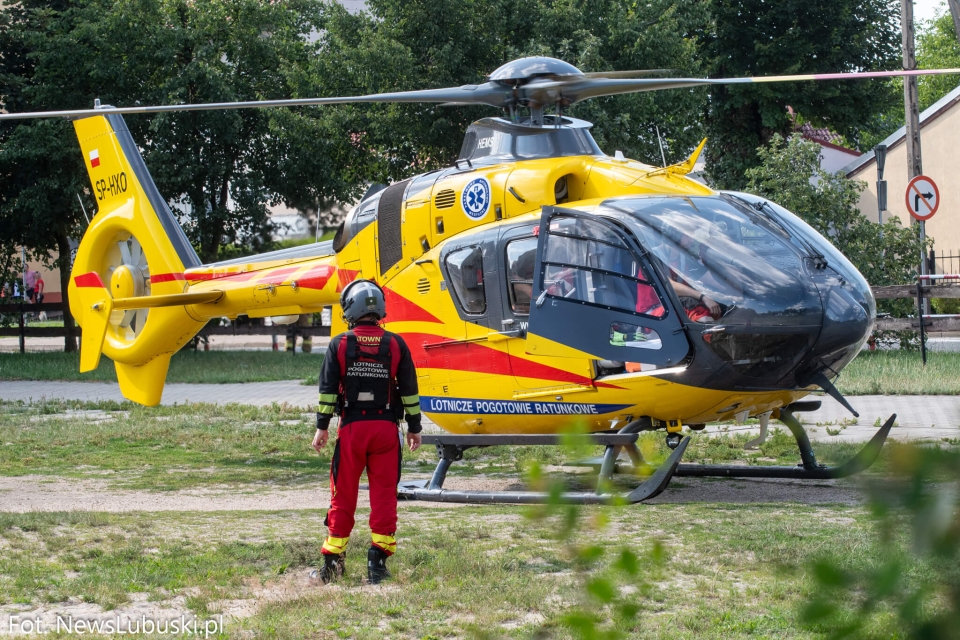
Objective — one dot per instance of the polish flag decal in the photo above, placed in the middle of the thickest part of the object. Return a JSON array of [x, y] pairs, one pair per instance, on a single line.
[[95, 158]]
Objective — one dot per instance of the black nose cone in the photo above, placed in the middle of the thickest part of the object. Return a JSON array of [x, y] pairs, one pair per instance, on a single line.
[[848, 314]]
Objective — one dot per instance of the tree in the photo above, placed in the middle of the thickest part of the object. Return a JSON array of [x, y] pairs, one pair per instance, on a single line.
[[418, 44], [937, 48], [220, 168], [756, 38], [40, 169], [790, 175]]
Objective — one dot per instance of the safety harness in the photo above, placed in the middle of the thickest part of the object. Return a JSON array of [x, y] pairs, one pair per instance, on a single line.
[[366, 384]]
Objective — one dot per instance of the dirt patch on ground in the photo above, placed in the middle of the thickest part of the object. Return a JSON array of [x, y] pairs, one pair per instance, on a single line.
[[41, 493], [757, 490]]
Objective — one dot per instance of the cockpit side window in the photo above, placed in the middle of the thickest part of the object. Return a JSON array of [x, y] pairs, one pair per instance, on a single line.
[[590, 262], [465, 267], [521, 259]]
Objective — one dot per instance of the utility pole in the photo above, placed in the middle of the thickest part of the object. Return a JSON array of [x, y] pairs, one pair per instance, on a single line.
[[955, 12], [911, 107]]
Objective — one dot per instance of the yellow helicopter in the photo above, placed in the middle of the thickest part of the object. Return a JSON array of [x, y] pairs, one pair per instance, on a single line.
[[539, 283]]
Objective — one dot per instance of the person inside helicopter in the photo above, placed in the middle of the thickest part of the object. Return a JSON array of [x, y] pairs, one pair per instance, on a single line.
[[686, 266]]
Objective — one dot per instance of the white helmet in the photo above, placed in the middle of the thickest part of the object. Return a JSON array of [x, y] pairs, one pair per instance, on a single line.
[[362, 298]]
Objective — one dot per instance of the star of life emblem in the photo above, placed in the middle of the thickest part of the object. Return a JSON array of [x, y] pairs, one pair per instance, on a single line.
[[476, 198]]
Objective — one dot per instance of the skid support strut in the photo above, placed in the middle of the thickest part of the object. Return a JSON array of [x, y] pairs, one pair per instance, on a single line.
[[451, 447]]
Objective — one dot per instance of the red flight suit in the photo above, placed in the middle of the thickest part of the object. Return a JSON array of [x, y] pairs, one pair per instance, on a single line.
[[367, 376]]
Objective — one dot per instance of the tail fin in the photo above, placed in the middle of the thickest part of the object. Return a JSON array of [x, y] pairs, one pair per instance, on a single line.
[[96, 306], [133, 248]]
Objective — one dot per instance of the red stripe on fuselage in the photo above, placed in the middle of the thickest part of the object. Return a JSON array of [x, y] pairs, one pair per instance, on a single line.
[[166, 277], [482, 359], [345, 277], [400, 309], [91, 279], [317, 277], [277, 276], [204, 277]]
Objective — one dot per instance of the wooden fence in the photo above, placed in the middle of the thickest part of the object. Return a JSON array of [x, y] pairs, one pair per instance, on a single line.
[[24, 330], [930, 323]]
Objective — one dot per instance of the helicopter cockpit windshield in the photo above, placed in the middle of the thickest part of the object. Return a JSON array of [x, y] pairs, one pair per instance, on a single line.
[[723, 260], [495, 140]]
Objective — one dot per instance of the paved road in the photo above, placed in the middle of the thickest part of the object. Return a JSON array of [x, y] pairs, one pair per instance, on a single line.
[[919, 417]]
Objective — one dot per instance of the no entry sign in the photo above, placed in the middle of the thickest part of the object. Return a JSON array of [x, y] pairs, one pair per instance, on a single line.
[[923, 198]]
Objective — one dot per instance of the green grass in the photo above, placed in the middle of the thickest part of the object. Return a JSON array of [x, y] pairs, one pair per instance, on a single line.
[[186, 366], [901, 373], [160, 448], [731, 571], [200, 445]]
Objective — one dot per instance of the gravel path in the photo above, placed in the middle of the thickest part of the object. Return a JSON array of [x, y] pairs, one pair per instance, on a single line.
[[40, 493]]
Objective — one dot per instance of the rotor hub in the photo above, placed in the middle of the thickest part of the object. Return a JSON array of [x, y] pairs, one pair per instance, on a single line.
[[522, 71], [127, 281]]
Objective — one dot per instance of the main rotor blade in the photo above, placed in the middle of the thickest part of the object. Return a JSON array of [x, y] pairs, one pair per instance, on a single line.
[[489, 93], [576, 90], [495, 94]]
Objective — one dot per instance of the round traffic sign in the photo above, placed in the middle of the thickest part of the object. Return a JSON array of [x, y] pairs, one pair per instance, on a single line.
[[923, 198]]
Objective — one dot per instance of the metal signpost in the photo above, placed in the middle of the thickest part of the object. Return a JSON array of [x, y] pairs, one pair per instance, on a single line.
[[922, 200], [880, 153]]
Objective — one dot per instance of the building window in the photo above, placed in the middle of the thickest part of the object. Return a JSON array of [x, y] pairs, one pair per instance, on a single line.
[[465, 267]]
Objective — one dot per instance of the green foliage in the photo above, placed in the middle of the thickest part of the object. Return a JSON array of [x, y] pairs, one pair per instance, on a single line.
[[912, 589], [220, 168], [937, 48], [790, 175], [945, 305], [610, 580], [756, 38], [403, 45]]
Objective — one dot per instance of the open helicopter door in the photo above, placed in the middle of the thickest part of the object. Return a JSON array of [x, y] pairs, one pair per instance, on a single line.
[[595, 295]]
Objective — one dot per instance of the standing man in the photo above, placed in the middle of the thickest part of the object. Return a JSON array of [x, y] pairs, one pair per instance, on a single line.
[[369, 379]]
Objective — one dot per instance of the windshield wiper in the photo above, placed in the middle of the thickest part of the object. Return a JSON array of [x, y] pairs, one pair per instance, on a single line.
[[820, 261]]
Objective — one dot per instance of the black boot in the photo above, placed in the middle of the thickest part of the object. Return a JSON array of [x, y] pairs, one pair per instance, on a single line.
[[333, 567], [377, 565]]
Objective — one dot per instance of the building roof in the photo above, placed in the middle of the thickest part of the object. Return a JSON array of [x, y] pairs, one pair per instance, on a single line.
[[938, 108]]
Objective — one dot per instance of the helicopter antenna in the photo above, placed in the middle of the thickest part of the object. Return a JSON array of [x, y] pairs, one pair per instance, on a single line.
[[660, 141]]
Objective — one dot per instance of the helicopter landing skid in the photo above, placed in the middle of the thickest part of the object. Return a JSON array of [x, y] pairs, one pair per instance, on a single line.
[[451, 448], [808, 469]]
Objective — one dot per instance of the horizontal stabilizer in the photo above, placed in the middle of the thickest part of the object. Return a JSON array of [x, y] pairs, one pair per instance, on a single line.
[[169, 300]]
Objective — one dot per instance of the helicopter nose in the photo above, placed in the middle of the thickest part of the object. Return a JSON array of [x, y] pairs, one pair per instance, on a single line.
[[848, 313]]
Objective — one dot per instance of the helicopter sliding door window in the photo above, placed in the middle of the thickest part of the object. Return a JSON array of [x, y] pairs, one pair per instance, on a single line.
[[594, 293], [465, 267], [521, 260]]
